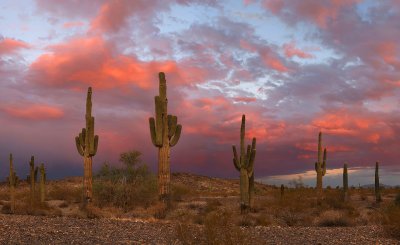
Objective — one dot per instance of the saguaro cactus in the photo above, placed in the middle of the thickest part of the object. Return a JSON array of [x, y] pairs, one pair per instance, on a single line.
[[245, 165], [345, 183], [32, 180], [320, 165], [165, 133], [378, 197], [282, 191], [86, 144], [42, 183], [13, 182]]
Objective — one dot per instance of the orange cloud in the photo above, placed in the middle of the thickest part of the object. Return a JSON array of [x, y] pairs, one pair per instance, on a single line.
[[92, 61], [9, 45], [34, 112]]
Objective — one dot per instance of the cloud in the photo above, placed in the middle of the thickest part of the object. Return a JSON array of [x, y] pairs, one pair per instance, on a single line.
[[34, 112], [318, 12], [10, 46], [291, 50]]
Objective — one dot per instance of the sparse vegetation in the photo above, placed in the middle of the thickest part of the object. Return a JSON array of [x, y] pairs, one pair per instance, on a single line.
[[125, 187]]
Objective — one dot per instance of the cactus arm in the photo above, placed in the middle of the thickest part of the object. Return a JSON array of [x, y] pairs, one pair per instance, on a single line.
[[95, 145], [172, 124], [176, 136], [78, 145], [235, 158], [252, 156], [153, 132]]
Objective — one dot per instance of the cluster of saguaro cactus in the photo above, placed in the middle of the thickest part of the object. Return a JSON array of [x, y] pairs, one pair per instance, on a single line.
[[245, 165], [378, 197], [86, 144], [320, 165], [345, 183], [165, 133]]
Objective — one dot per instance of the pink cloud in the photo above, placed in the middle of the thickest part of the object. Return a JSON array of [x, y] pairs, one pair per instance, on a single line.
[[9, 45], [93, 61], [291, 50], [34, 112]]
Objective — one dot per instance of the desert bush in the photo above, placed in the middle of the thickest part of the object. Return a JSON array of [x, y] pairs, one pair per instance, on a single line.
[[65, 192], [263, 220], [333, 218], [127, 186], [219, 229], [397, 200], [125, 195], [179, 191], [391, 220], [184, 234]]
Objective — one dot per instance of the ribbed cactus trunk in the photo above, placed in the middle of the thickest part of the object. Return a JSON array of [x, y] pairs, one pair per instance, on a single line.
[[345, 184], [86, 144], [282, 191], [378, 197], [165, 133], [32, 180], [320, 166], [12, 181], [245, 166], [87, 178], [42, 183]]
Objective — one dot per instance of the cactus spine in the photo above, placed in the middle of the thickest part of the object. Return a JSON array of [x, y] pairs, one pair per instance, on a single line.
[[42, 183], [320, 165], [345, 183], [86, 144], [32, 180], [13, 182], [378, 197], [245, 165], [165, 133]]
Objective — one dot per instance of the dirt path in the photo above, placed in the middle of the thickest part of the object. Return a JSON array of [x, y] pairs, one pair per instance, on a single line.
[[21, 229]]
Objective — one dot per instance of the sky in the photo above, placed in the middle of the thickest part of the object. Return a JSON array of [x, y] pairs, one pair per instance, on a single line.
[[293, 67]]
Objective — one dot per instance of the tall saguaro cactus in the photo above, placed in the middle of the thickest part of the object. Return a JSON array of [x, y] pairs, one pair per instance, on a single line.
[[13, 182], [32, 180], [245, 165], [345, 183], [320, 165], [165, 133], [42, 183], [378, 197], [86, 144]]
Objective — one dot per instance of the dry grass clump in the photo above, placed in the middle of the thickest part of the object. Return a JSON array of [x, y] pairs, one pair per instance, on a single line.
[[69, 193], [333, 218], [391, 220]]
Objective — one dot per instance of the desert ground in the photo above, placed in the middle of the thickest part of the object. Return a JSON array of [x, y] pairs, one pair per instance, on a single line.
[[202, 210]]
